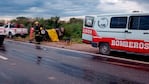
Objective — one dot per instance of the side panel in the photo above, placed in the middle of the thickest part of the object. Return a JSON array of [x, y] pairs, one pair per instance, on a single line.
[[136, 46], [87, 35], [138, 32], [102, 26], [107, 34]]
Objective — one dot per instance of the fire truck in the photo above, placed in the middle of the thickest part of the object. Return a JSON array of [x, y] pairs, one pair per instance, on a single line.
[[121, 32]]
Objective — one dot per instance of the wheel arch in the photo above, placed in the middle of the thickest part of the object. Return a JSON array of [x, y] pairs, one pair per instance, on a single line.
[[103, 42]]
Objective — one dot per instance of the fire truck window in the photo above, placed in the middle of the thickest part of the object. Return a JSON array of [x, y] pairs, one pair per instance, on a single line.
[[134, 22], [118, 22], [139, 22], [144, 23], [89, 21]]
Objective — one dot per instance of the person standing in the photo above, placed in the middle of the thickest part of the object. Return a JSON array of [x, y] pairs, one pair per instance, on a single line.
[[37, 32], [31, 34]]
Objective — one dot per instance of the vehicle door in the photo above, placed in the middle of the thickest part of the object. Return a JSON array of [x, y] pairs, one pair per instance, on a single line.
[[138, 31], [87, 29]]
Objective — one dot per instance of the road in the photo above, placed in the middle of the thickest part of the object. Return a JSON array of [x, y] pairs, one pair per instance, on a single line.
[[24, 63]]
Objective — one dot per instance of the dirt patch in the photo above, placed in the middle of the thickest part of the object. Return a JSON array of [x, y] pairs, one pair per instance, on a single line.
[[73, 46]]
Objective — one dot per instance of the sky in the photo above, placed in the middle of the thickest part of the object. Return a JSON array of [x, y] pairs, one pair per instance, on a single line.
[[67, 8]]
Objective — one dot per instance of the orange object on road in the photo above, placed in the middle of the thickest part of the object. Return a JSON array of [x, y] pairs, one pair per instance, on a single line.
[[31, 34]]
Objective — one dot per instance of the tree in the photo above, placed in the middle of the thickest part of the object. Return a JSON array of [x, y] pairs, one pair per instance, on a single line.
[[55, 22], [21, 20]]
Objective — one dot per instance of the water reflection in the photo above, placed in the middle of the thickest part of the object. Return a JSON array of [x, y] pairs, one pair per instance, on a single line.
[[94, 77], [38, 53], [39, 59], [37, 46], [103, 78], [2, 48]]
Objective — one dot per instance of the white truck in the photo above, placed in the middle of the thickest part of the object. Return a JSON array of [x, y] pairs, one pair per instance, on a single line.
[[2, 35], [12, 30]]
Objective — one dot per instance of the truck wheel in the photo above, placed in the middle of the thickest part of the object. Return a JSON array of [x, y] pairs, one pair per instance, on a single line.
[[10, 35], [23, 36], [104, 48]]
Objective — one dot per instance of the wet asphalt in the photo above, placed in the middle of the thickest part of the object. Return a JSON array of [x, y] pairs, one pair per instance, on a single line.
[[36, 64]]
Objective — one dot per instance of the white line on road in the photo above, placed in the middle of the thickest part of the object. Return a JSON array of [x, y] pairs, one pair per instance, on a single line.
[[3, 58]]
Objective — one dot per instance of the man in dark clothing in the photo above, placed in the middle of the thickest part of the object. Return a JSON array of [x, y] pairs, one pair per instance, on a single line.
[[37, 32]]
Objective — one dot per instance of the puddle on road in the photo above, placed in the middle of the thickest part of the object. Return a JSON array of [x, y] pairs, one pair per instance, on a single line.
[[39, 59], [97, 78], [9, 77], [2, 48], [102, 78], [72, 54], [88, 75]]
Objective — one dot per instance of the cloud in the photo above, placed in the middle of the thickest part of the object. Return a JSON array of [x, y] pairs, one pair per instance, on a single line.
[[120, 6], [35, 10], [24, 2], [64, 8]]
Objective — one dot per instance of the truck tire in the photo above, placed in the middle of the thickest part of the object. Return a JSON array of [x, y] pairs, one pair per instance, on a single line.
[[10, 35], [104, 48], [23, 36]]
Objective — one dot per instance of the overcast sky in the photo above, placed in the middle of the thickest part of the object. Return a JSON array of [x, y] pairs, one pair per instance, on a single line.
[[64, 8]]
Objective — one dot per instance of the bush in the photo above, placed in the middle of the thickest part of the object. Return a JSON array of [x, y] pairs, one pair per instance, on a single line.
[[73, 30]]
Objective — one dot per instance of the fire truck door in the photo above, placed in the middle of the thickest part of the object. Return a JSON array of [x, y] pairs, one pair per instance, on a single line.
[[138, 28]]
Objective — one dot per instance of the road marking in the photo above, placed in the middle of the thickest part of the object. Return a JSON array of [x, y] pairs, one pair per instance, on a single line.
[[3, 58]]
